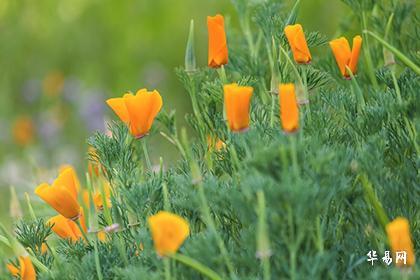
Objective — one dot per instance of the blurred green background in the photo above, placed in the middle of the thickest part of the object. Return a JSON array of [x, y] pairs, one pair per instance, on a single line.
[[60, 59]]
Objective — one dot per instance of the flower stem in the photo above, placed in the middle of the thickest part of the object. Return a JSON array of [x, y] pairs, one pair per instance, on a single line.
[[146, 154], [408, 62], [82, 231], [222, 75], [373, 200], [28, 202], [97, 262], [209, 273], [368, 56], [263, 243], [167, 267]]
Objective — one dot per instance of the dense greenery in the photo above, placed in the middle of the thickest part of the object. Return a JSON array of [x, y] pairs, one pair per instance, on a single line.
[[267, 205]]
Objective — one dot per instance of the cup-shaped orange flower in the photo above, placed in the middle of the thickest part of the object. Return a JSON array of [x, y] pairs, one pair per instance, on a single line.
[[289, 111], [25, 271], [137, 111], [70, 177], [399, 237], [237, 104], [62, 194], [168, 232], [346, 57], [297, 42], [65, 228], [218, 51]]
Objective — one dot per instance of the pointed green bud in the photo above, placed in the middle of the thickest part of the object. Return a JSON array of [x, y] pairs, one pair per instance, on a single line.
[[190, 62]]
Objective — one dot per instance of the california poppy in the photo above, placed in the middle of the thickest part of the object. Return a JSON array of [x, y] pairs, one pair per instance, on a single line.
[[399, 237], [344, 56], [62, 194], [65, 228], [289, 112], [137, 111], [168, 232], [218, 51], [296, 38], [25, 271], [237, 103]]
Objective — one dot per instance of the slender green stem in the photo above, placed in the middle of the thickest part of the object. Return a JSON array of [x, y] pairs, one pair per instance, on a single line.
[[292, 139], [28, 202], [263, 243], [293, 66], [368, 56], [408, 62], [38, 263], [206, 271], [197, 181], [166, 204], [373, 200], [167, 267], [210, 223], [146, 154], [222, 74], [97, 262], [273, 106], [293, 13], [82, 231], [357, 88]]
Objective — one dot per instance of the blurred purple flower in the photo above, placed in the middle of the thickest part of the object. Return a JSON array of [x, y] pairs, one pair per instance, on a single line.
[[72, 90], [49, 128], [92, 109]]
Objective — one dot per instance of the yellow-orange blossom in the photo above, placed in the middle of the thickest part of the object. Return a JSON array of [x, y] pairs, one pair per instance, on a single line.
[[137, 111], [62, 194], [289, 112], [168, 232], [399, 237], [237, 103], [25, 271], [344, 56], [218, 51], [297, 43], [66, 228]]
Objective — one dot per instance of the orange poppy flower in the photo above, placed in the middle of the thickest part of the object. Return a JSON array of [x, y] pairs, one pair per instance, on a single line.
[[344, 56], [25, 271], [74, 182], [297, 42], [218, 51], [399, 237], [289, 112], [65, 228], [137, 111], [62, 194], [168, 232], [237, 103]]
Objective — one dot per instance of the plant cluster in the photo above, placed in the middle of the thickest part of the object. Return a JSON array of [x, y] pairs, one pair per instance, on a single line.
[[258, 192]]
